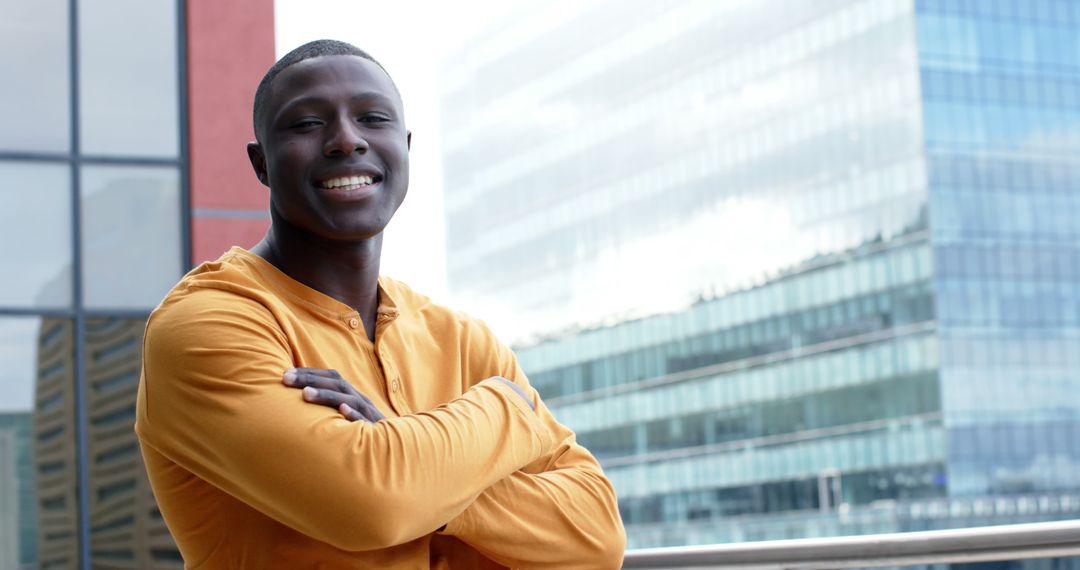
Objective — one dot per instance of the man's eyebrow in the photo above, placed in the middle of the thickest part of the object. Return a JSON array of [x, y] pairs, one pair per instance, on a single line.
[[364, 96]]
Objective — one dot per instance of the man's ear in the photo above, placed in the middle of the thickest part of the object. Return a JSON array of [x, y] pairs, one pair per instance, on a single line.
[[408, 140], [258, 162]]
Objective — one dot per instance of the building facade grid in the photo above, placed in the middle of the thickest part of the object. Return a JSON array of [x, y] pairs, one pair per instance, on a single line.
[[117, 171]]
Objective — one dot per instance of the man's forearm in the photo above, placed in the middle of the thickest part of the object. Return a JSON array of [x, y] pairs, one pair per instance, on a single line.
[[558, 512], [328, 479], [558, 519]]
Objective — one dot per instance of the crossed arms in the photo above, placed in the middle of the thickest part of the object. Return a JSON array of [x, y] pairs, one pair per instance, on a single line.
[[504, 478]]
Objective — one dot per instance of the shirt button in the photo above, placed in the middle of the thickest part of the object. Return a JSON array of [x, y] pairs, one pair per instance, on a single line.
[[353, 323], [395, 385]]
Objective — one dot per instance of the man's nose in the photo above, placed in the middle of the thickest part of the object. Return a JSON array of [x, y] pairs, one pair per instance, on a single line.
[[344, 139]]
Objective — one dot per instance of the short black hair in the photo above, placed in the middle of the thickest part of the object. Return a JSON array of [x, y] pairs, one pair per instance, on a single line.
[[317, 48]]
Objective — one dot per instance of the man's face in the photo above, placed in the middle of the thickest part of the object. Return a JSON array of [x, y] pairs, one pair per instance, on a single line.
[[335, 151]]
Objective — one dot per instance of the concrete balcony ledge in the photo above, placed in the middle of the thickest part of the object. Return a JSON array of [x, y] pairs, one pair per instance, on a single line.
[[1006, 542]]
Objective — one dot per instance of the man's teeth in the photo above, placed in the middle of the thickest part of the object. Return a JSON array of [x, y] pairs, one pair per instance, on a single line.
[[347, 181]]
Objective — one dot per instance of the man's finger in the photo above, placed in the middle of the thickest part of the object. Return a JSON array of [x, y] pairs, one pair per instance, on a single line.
[[335, 399], [294, 373], [301, 377], [369, 409], [330, 398], [327, 372], [352, 414]]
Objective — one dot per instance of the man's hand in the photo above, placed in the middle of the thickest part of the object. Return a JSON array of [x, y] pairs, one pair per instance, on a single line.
[[328, 388]]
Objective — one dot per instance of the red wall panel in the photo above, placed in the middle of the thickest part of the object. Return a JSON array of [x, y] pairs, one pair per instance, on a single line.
[[211, 237], [230, 47]]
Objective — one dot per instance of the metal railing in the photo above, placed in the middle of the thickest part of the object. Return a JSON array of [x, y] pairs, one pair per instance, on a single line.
[[1006, 542]]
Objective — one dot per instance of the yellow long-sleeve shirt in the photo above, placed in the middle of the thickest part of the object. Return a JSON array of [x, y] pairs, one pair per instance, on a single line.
[[248, 475]]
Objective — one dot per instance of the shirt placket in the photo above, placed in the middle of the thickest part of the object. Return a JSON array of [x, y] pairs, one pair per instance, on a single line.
[[375, 361], [384, 355]]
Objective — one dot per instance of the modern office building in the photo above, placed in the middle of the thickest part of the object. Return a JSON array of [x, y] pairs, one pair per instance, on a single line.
[[122, 164], [18, 519], [56, 465], [790, 268]]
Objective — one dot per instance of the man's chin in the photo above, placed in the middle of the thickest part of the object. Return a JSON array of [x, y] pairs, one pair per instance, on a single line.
[[353, 233], [335, 226]]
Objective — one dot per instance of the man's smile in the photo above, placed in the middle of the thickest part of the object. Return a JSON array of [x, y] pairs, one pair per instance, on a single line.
[[348, 181], [350, 188]]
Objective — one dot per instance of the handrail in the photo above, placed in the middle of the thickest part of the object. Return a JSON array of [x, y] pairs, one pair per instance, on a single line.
[[979, 544]]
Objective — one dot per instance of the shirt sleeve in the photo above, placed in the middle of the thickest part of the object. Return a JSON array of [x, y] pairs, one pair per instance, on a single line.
[[212, 401], [558, 512]]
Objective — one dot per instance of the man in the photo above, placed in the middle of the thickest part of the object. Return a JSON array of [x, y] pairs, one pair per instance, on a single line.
[[297, 410]]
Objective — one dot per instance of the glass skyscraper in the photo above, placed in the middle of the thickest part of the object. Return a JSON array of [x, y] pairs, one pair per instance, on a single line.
[[790, 268]]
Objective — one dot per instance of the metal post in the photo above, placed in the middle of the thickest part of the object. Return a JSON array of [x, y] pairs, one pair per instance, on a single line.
[[81, 423]]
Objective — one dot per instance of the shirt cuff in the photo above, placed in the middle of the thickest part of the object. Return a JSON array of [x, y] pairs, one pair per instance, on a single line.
[[539, 429]]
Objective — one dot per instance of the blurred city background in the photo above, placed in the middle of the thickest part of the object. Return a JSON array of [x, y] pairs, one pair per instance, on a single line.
[[789, 268]]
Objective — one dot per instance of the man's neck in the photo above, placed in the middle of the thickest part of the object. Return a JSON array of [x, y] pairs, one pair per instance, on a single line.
[[346, 271]]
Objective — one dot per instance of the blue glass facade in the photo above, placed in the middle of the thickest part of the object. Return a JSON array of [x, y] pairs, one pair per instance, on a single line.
[[18, 517], [788, 268], [1001, 92], [796, 408]]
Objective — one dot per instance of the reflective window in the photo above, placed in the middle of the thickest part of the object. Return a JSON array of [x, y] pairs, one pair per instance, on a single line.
[[849, 318], [128, 98], [841, 117], [904, 483], [120, 499], [38, 469], [36, 88], [35, 234], [131, 235]]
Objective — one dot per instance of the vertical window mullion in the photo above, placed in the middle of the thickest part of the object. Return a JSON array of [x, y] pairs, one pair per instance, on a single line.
[[182, 131], [83, 487]]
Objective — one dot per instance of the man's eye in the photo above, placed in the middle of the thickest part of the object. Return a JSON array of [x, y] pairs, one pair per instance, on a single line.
[[373, 119], [305, 123]]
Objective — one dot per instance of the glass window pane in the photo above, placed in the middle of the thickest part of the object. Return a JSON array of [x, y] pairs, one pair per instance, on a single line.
[[35, 89], [128, 93], [119, 493], [35, 233], [38, 469], [131, 235]]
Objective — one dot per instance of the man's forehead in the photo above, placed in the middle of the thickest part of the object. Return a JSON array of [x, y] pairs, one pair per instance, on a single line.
[[332, 73]]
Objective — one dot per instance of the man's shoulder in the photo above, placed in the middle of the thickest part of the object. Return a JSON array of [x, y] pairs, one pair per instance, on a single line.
[[436, 317], [481, 352], [226, 284]]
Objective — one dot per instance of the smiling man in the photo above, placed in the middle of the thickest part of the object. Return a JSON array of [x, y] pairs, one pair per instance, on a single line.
[[297, 410]]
